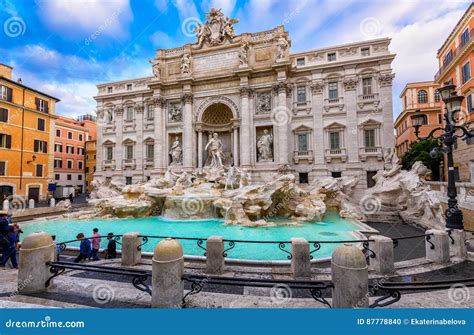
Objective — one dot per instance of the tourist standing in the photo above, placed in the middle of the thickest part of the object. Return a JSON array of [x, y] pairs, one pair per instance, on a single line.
[[4, 227], [9, 252], [84, 249], [111, 246], [96, 238]]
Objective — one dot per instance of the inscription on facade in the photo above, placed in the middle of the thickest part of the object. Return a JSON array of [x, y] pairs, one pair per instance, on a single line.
[[217, 61]]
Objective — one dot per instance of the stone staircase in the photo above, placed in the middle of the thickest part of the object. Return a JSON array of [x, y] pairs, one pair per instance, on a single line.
[[387, 214]]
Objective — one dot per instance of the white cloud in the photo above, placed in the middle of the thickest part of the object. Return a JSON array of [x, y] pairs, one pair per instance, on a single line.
[[83, 18], [161, 40], [227, 6], [186, 9]]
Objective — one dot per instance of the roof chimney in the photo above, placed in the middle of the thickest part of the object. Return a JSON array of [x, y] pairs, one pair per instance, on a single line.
[[6, 71]]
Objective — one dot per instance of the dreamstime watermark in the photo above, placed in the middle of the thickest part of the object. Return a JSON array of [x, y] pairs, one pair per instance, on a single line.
[[192, 205], [370, 204], [189, 25], [47, 322], [281, 294], [21, 285], [280, 116], [371, 292], [459, 294], [14, 26], [16, 202], [370, 27], [103, 294], [103, 27], [280, 205]]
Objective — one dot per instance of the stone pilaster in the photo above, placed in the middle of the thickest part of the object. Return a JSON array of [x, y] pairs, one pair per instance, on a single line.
[[281, 117], [245, 126], [118, 150], [160, 150], [386, 104], [199, 145], [317, 88], [139, 154], [350, 102], [236, 145], [187, 99]]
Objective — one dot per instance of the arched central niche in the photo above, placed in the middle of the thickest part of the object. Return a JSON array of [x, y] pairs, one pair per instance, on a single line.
[[217, 117]]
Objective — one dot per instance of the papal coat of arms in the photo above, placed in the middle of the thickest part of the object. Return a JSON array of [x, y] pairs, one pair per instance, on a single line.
[[216, 29]]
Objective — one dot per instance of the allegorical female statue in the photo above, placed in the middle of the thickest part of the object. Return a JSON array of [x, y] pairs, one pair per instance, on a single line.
[[215, 150], [264, 146], [176, 152]]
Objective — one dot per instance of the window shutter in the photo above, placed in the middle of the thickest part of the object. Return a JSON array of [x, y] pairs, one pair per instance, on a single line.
[[8, 141], [37, 103], [9, 94], [46, 107], [36, 146], [45, 148]]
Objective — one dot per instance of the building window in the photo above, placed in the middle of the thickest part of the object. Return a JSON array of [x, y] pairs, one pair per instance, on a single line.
[[129, 152], [70, 149], [469, 103], [58, 163], [370, 178], [5, 93], [87, 169], [80, 137], [369, 138], [79, 177], [466, 72], [465, 37], [58, 133], [58, 148], [128, 180], [56, 176], [3, 115], [367, 86], [336, 174], [150, 112], [332, 87], [303, 177], [365, 51], [69, 135], [80, 151], [110, 116], [129, 115], [109, 89], [424, 119], [301, 94], [69, 164], [422, 97], [109, 153], [439, 119], [334, 140], [331, 57], [150, 151], [437, 96], [41, 146], [302, 142], [80, 165], [69, 177], [448, 58], [300, 62], [129, 87], [41, 125], [39, 170], [41, 105], [3, 168]]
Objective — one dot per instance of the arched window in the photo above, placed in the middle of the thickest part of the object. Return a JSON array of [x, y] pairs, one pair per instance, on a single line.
[[437, 96], [422, 97]]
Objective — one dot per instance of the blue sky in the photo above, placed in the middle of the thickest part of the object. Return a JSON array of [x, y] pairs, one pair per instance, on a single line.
[[66, 47]]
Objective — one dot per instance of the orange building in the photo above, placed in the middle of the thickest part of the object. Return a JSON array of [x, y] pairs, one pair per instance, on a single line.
[[89, 121], [455, 58], [424, 98], [27, 119], [70, 151]]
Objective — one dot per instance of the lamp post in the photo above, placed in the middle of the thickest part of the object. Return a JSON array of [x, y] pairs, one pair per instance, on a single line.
[[450, 133]]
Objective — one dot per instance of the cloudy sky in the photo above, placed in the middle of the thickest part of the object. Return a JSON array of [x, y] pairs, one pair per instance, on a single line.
[[66, 47]]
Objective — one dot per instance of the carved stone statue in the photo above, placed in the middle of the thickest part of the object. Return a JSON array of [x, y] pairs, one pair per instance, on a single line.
[[186, 64], [176, 152], [282, 47], [264, 146], [264, 103], [200, 32], [215, 150], [155, 65], [216, 29], [243, 53], [175, 113]]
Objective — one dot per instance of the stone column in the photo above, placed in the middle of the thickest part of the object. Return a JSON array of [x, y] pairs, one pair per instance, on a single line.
[[318, 131], [187, 99], [458, 247], [215, 255], [199, 153], [386, 107], [160, 150], [383, 262], [236, 145], [437, 246], [118, 150], [36, 250], [245, 127], [350, 276], [138, 154], [281, 117], [350, 104], [300, 261], [131, 252], [167, 275]]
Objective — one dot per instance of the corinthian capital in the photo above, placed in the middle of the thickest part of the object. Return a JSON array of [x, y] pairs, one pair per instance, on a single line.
[[317, 87], [246, 91], [386, 79], [159, 101], [187, 98], [281, 87]]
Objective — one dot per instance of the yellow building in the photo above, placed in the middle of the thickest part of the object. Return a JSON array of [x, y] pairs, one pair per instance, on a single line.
[[27, 119], [91, 152]]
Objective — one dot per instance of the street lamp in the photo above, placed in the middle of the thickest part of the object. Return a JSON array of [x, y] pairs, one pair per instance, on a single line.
[[454, 218]]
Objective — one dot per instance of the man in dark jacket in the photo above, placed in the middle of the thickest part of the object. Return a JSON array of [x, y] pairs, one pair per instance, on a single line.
[[84, 249], [9, 252], [111, 246]]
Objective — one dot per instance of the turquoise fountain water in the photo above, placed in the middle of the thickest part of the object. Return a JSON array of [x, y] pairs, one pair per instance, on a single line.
[[332, 228]]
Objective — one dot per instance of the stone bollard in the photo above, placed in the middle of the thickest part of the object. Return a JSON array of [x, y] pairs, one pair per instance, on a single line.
[[167, 275], [36, 250], [458, 248], [52, 203], [350, 277], [300, 260], [31, 203], [438, 250], [215, 255], [6, 205], [383, 262], [131, 251]]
